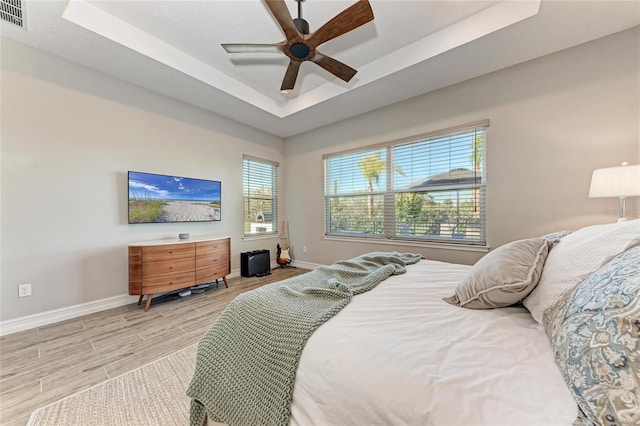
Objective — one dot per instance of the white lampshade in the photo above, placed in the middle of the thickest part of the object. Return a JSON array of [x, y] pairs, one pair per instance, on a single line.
[[623, 181]]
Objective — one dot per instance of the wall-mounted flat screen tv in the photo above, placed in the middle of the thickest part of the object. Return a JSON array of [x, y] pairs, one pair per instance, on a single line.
[[157, 198]]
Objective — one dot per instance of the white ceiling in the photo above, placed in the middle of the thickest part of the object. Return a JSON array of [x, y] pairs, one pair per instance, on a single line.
[[412, 47]]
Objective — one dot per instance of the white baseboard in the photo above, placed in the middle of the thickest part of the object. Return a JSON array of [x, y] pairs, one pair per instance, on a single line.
[[56, 315], [41, 319], [305, 265], [49, 317], [298, 264]]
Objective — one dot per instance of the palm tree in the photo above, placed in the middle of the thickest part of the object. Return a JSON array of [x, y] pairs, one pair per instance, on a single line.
[[476, 161], [478, 151], [372, 167]]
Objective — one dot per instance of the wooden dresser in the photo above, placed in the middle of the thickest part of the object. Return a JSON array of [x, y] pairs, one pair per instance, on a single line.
[[165, 265]]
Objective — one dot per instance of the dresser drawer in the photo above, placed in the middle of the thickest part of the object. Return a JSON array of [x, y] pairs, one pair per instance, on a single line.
[[168, 282], [213, 259], [207, 275], [163, 267], [168, 251], [207, 248]]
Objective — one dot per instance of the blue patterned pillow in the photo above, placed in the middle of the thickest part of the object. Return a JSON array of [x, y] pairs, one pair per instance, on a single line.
[[595, 334]]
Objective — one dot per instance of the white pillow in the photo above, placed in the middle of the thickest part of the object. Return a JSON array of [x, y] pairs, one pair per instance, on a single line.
[[577, 256]]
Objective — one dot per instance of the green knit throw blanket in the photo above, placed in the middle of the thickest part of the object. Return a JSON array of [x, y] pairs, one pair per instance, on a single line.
[[247, 360]]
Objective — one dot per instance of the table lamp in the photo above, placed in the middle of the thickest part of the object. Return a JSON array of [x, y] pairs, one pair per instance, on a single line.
[[621, 182]]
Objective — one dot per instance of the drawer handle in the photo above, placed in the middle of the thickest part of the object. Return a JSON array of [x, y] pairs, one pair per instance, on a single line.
[[170, 267], [170, 252]]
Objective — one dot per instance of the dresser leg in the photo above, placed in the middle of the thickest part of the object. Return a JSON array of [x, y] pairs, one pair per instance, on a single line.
[[148, 304], [140, 300], [225, 281]]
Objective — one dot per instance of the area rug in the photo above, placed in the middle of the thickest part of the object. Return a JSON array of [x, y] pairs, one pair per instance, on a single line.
[[154, 394]]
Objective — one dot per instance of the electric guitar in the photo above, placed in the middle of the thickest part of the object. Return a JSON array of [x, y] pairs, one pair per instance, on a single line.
[[283, 258]]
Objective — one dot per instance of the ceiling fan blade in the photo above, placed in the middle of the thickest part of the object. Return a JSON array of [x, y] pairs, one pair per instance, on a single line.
[[280, 11], [290, 76], [349, 19], [335, 67], [252, 48]]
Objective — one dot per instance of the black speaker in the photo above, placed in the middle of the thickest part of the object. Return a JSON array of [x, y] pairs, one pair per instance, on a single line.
[[255, 262]]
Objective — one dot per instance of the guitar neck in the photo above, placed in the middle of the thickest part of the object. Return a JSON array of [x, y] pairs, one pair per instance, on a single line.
[[282, 242]]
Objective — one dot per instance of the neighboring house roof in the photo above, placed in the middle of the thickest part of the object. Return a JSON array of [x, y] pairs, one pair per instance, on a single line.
[[452, 177]]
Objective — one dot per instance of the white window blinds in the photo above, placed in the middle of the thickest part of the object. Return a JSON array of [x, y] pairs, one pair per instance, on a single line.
[[260, 183], [429, 188]]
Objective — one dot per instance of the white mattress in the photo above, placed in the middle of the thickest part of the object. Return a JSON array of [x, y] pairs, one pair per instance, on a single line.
[[400, 355]]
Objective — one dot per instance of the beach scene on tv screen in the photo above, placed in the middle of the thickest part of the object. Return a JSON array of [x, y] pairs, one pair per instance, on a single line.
[[158, 198]]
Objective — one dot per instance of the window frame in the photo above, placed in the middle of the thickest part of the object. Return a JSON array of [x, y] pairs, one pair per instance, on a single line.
[[391, 232], [247, 199]]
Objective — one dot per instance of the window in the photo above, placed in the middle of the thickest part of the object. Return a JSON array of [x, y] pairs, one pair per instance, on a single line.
[[428, 188], [260, 183]]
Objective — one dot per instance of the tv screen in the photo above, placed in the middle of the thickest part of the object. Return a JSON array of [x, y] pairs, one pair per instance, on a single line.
[[165, 199]]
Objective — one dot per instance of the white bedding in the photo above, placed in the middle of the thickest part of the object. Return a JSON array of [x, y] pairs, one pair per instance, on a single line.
[[400, 355]]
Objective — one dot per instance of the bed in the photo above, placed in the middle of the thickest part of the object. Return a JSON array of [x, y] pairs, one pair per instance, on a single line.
[[399, 354]]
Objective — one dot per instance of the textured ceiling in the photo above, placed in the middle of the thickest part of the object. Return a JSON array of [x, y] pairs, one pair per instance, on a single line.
[[411, 47]]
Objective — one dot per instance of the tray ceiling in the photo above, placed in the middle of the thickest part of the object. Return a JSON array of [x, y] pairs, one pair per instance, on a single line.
[[411, 47]]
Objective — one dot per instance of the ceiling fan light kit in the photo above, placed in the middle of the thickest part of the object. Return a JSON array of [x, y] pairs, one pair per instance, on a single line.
[[301, 46]]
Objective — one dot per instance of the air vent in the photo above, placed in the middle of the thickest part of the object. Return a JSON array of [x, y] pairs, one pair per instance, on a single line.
[[11, 11]]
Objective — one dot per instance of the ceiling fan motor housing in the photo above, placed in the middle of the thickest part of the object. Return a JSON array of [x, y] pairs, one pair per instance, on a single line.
[[299, 51], [302, 25]]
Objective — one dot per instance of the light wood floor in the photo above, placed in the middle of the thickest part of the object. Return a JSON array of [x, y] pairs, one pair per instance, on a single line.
[[43, 365]]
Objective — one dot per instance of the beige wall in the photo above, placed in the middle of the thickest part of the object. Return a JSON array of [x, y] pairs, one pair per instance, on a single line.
[[69, 136], [553, 120]]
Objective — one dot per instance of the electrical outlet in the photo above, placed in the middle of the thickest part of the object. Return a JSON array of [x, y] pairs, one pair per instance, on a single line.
[[304, 249], [24, 290]]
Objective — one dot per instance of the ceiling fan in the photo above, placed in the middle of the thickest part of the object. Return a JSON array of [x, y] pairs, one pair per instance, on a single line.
[[301, 46]]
